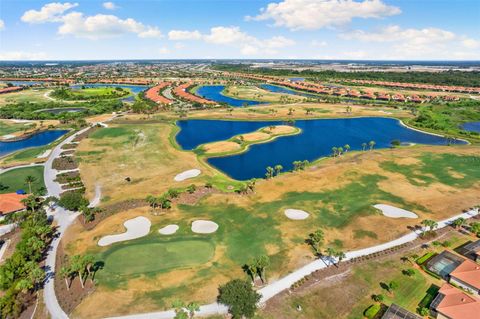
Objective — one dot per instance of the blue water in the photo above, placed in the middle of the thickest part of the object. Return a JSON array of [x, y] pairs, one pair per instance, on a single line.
[[214, 93], [25, 83], [134, 88], [316, 140], [297, 79], [39, 139], [472, 127], [282, 89]]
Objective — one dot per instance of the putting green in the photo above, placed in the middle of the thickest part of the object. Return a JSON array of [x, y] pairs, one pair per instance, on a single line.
[[153, 257]]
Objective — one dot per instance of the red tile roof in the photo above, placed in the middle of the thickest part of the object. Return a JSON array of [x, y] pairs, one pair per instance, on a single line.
[[457, 304], [156, 96], [11, 202], [468, 272], [10, 89], [181, 92]]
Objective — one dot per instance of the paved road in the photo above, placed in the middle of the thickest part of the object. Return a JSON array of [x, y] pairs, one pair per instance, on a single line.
[[63, 219], [284, 283]]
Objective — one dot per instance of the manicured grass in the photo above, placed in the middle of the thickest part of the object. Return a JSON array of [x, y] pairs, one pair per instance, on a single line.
[[9, 128], [149, 257], [338, 207], [111, 132], [15, 179], [439, 168]]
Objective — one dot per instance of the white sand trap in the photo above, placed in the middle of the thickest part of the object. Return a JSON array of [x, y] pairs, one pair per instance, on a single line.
[[187, 174], [204, 227], [296, 214], [44, 154], [8, 136], [136, 228], [395, 212], [168, 230]]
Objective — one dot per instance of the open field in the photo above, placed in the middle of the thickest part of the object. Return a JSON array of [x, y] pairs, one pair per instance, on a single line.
[[15, 179], [30, 95], [142, 152], [257, 94], [338, 193], [90, 93], [349, 293]]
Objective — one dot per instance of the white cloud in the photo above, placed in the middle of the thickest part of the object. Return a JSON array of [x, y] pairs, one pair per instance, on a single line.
[[234, 37], [163, 50], [184, 35], [90, 27], [104, 26], [2, 25], [318, 43], [20, 55], [317, 14], [426, 43], [227, 35], [51, 12], [110, 5]]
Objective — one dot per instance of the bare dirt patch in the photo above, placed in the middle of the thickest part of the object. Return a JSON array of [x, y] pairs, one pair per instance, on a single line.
[[221, 147]]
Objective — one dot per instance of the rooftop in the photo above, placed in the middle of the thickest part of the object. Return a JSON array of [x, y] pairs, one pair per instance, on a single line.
[[456, 304], [397, 312], [11, 202], [468, 272]]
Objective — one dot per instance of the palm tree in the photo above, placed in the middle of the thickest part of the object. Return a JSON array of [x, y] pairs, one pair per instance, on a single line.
[[340, 150], [334, 151], [315, 240], [251, 185], [251, 268], [29, 180], [340, 255], [65, 272], [262, 263], [364, 146], [152, 201], [371, 144], [191, 308], [347, 148], [330, 252], [278, 169], [269, 173], [459, 222]]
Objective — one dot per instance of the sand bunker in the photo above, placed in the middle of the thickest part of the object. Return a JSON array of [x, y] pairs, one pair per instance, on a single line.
[[187, 174], [136, 228], [296, 214], [204, 227], [395, 212], [168, 230]]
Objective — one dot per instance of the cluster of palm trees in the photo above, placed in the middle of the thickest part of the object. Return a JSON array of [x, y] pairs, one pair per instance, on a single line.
[[257, 268], [430, 226], [337, 151], [249, 186], [273, 171], [316, 239], [300, 165], [370, 144], [29, 180], [83, 266], [163, 201], [185, 311]]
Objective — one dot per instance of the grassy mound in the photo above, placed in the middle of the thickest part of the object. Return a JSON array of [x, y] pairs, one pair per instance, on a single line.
[[149, 257]]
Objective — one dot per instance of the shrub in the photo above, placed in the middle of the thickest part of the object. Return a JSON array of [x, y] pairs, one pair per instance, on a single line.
[[372, 311], [425, 257], [72, 201]]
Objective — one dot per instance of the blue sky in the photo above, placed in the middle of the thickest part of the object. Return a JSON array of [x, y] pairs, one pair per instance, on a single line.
[[304, 29]]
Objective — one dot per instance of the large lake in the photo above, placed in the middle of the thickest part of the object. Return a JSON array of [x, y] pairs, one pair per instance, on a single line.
[[282, 89], [316, 140], [214, 93], [39, 139]]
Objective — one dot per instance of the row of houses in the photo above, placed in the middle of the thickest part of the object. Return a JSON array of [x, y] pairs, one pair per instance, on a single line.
[[181, 91], [431, 87], [57, 80], [155, 94], [11, 89], [344, 91]]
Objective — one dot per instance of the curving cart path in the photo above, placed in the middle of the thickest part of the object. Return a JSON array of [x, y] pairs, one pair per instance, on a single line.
[[284, 283]]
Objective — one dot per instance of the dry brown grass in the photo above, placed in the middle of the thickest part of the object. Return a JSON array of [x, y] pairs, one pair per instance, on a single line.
[[221, 147]]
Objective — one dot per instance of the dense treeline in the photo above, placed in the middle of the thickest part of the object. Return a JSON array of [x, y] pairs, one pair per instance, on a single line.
[[21, 275], [439, 78], [448, 117], [32, 111]]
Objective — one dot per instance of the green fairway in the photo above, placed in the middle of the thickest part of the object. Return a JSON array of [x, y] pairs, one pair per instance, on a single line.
[[15, 179], [9, 128], [90, 93], [151, 257]]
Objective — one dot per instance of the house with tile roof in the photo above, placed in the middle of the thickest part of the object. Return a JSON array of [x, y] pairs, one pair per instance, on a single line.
[[467, 276], [453, 303], [11, 203]]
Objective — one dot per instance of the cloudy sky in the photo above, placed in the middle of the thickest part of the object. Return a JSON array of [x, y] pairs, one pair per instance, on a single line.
[[295, 29]]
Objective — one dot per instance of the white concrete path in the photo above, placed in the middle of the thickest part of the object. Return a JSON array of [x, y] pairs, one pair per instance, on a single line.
[[284, 283], [4, 170]]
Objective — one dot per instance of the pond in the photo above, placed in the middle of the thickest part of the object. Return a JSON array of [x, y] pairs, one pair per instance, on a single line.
[[58, 110], [25, 83], [471, 127], [39, 139], [282, 89], [316, 140], [214, 93]]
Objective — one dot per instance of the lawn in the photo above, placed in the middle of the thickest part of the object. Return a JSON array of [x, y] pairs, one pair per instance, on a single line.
[[30, 95], [15, 180], [258, 94], [89, 93], [147, 257], [9, 127]]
